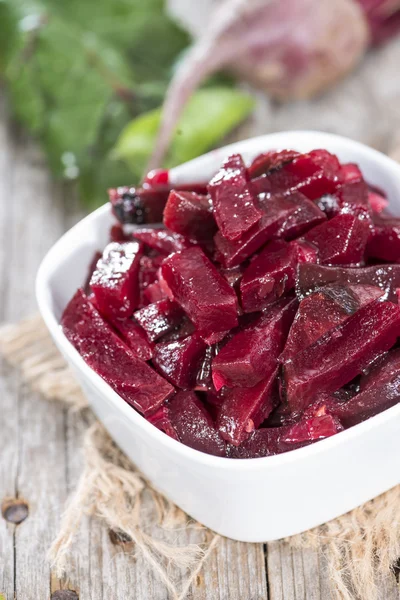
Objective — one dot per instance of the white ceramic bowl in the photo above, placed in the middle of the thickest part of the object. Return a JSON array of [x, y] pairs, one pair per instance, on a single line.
[[253, 500]]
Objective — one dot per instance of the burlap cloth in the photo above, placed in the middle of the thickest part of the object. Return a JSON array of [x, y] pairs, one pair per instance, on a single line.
[[361, 547]]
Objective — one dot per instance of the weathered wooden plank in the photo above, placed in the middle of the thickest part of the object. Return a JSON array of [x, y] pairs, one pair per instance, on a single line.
[[297, 573], [235, 571], [8, 414], [37, 444]]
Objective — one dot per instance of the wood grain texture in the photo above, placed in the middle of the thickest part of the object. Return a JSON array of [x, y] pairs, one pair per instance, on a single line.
[[41, 455]]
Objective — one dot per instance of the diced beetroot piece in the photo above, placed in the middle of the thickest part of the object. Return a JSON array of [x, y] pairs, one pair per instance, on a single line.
[[159, 318], [312, 276], [152, 293], [323, 310], [306, 253], [135, 337], [190, 215], [269, 275], [377, 202], [179, 361], [384, 242], [262, 442], [244, 409], [194, 425], [276, 440], [136, 382], [234, 205], [139, 205], [274, 159], [380, 391], [306, 216], [342, 240], [342, 353], [147, 273], [162, 240], [350, 172], [277, 210], [325, 405], [353, 199], [161, 420], [251, 355], [115, 279], [117, 234], [313, 174], [92, 267], [312, 429], [204, 294]]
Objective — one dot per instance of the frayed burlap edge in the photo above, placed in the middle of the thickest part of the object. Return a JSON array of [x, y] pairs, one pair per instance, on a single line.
[[361, 547]]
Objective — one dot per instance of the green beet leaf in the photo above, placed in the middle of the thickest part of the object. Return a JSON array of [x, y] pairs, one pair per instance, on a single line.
[[209, 116]]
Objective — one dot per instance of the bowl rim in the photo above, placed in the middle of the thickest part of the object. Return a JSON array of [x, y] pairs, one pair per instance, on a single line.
[[43, 290]]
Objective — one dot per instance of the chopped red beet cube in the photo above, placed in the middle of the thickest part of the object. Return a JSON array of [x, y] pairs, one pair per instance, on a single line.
[[276, 440], [384, 242], [342, 240], [161, 420], [244, 409], [269, 161], [379, 391], [115, 280], [117, 234], [138, 205], [190, 215], [353, 199], [306, 252], [270, 275], [159, 318], [162, 240], [135, 337], [313, 174], [92, 267], [312, 429], [234, 205], [194, 425], [350, 172], [204, 294], [312, 276], [152, 293], [136, 382], [179, 361], [342, 353], [323, 310], [277, 210], [306, 216], [377, 202], [251, 355]]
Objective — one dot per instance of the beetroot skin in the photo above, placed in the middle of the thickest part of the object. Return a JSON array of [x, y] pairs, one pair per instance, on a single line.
[[261, 316]]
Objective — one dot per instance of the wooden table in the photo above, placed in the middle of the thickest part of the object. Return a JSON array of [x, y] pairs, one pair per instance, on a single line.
[[40, 457]]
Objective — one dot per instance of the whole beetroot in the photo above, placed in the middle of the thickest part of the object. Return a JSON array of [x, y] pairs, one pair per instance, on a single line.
[[291, 49]]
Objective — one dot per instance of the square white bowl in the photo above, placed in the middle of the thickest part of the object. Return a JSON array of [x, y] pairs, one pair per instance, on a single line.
[[254, 500]]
